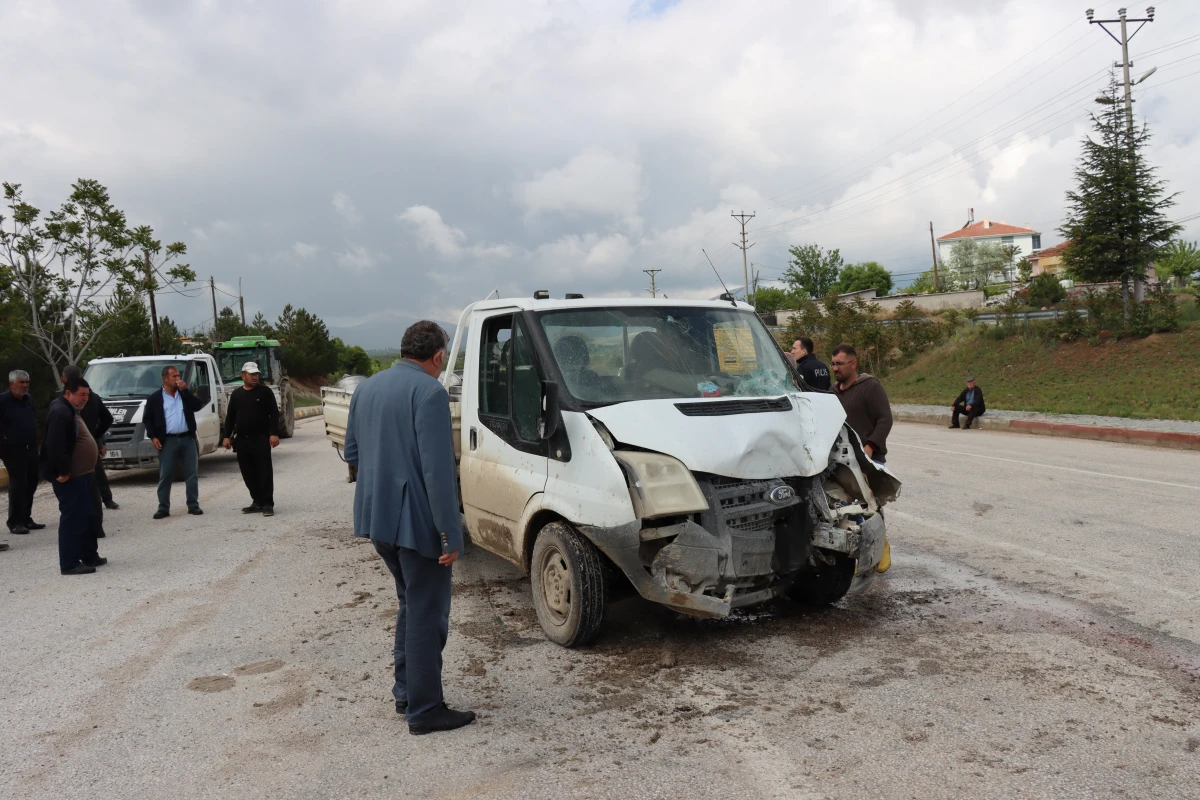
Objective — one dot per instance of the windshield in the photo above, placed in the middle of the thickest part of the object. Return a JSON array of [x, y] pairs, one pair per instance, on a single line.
[[229, 363], [128, 378], [611, 355]]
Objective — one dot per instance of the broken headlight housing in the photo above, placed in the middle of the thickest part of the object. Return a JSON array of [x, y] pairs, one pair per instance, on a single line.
[[659, 485]]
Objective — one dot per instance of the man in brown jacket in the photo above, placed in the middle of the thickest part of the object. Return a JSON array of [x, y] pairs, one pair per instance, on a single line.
[[868, 411]]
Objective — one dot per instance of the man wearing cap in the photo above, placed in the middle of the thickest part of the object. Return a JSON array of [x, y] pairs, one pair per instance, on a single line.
[[252, 429], [969, 402]]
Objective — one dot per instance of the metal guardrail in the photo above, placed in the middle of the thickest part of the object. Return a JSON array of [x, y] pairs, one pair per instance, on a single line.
[[1028, 316]]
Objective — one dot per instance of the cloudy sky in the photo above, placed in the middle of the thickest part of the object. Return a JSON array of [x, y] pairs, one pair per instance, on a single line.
[[367, 157]]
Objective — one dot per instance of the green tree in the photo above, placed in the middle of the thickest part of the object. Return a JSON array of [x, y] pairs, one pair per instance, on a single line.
[[228, 326], [65, 265], [769, 299], [1045, 290], [169, 335], [1116, 214], [924, 283], [308, 351], [1179, 260], [867, 275], [261, 325], [128, 333], [964, 264], [1024, 270], [352, 359], [812, 271]]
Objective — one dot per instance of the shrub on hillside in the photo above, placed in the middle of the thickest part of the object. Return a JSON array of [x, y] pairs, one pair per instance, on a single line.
[[1045, 290]]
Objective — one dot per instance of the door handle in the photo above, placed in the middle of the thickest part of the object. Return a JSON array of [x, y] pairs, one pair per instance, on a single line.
[[474, 438]]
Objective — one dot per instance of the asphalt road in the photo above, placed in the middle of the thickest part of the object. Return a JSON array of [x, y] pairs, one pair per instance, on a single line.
[[1037, 636]]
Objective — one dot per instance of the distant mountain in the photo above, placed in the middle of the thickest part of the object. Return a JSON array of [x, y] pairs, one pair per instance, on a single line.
[[380, 333]]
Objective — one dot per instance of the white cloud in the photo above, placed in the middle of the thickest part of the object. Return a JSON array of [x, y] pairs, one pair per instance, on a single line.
[[346, 209], [357, 259], [449, 242], [593, 182], [216, 230], [305, 251]]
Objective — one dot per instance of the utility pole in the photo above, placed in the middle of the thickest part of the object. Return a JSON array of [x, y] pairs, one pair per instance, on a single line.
[[1138, 289], [743, 218], [212, 287], [937, 287], [653, 290], [241, 302], [153, 310]]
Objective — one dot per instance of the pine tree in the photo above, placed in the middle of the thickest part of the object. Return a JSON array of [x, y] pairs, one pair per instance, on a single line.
[[1115, 216]]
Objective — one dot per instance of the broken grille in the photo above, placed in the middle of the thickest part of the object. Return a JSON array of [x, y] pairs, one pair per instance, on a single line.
[[725, 408]]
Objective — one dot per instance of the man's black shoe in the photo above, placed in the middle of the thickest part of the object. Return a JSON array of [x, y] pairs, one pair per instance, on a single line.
[[79, 569], [100, 561], [401, 706], [253, 508], [444, 719], [268, 511], [953, 427], [19, 530], [111, 505], [966, 427], [34, 526], [161, 514], [195, 512]]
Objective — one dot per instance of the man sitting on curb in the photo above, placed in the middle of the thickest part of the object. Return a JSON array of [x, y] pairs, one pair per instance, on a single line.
[[969, 402]]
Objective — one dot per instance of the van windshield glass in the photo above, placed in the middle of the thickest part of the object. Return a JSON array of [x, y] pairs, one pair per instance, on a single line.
[[616, 354], [117, 379]]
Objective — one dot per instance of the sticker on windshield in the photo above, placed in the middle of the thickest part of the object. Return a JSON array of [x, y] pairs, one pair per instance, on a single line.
[[708, 389]]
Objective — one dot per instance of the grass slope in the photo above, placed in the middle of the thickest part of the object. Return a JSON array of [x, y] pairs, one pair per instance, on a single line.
[[1153, 378]]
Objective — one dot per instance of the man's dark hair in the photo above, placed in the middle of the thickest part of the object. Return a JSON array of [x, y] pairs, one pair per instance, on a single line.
[[846, 349], [74, 384], [805, 342], [72, 371], [167, 370], [423, 340]]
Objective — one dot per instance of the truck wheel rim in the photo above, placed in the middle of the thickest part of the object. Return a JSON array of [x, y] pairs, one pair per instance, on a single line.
[[556, 584]]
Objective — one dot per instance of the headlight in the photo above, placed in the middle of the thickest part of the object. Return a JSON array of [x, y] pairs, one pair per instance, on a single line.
[[661, 485]]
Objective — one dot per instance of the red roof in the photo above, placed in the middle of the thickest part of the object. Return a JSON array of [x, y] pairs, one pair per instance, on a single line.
[[978, 229], [1051, 252]]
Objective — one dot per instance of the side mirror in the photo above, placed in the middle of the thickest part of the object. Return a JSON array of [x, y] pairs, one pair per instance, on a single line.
[[551, 416]]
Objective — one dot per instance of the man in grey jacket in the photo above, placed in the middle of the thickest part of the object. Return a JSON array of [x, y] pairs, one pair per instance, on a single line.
[[400, 440]]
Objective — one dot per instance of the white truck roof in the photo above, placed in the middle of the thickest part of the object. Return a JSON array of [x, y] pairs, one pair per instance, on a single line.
[[148, 358], [554, 304]]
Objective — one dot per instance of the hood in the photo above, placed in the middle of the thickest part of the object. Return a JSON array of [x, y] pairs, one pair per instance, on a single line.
[[748, 446]]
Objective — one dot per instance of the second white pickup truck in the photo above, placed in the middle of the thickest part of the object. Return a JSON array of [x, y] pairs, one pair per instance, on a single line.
[[669, 444]]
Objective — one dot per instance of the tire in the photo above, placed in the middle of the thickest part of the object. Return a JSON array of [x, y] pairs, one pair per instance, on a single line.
[[570, 590], [287, 414], [825, 586]]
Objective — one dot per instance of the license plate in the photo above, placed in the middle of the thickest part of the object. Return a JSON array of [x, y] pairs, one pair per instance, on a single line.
[[113, 454]]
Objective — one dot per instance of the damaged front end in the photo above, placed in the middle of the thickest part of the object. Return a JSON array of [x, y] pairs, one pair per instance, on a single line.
[[705, 544]]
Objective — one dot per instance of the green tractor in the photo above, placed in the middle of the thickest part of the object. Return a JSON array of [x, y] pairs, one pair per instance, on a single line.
[[231, 355]]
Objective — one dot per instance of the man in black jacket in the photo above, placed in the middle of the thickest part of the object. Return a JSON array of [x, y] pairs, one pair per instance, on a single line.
[[18, 449], [969, 402], [170, 420], [252, 429], [69, 455], [98, 420], [811, 368]]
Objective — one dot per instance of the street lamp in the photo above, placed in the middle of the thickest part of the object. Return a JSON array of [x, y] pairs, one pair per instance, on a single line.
[[1151, 71]]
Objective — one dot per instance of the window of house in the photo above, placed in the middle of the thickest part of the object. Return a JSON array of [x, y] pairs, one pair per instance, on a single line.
[[1005, 241], [1037, 241]]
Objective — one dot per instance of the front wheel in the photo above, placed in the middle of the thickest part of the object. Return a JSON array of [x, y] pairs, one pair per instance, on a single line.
[[569, 586]]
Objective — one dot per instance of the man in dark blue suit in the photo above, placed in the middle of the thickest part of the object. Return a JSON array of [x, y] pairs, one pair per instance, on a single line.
[[400, 440]]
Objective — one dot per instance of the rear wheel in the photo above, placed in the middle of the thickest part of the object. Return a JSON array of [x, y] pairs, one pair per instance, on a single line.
[[825, 586], [570, 589]]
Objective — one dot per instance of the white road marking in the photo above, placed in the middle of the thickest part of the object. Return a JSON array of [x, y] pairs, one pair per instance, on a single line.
[[1044, 466]]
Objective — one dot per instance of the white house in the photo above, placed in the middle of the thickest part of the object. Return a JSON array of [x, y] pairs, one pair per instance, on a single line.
[[986, 231]]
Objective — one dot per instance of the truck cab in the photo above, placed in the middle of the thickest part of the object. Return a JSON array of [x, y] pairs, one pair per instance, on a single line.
[[267, 353], [125, 383], [667, 443]]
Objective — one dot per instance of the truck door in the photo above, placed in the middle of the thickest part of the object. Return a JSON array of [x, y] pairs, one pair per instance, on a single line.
[[504, 462], [208, 421]]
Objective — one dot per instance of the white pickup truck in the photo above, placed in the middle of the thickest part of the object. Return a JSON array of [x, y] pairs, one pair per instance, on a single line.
[[125, 383], [665, 443]]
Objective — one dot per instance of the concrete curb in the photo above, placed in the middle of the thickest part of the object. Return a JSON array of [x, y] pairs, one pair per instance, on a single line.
[[301, 413], [1172, 439]]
